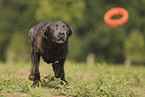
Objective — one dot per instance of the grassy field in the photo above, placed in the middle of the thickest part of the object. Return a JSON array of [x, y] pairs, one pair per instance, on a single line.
[[84, 81]]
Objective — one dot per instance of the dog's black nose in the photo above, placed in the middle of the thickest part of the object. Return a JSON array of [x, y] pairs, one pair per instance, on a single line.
[[61, 33]]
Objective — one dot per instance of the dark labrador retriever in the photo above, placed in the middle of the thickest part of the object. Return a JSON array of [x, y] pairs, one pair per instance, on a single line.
[[49, 39]]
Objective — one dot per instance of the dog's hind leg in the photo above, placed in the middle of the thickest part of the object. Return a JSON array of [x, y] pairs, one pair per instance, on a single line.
[[34, 72]]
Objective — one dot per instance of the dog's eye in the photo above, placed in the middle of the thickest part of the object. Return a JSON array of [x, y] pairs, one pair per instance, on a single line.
[[64, 28], [55, 27]]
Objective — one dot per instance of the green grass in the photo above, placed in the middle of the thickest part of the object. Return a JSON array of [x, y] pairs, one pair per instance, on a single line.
[[84, 81]]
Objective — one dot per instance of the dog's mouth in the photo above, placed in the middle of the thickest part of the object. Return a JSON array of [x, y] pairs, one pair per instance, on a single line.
[[60, 40]]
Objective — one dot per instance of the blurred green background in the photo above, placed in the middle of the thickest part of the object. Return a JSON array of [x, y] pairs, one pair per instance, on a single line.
[[90, 33]]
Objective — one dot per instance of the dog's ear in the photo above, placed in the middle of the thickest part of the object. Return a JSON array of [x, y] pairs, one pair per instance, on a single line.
[[70, 30], [45, 30]]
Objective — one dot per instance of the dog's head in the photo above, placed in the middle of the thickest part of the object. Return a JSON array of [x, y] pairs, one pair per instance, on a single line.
[[57, 32]]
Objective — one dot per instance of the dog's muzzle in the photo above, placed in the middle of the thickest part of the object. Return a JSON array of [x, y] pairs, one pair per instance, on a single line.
[[61, 34]]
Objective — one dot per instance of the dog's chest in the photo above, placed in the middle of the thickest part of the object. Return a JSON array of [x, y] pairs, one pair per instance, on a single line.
[[51, 55]]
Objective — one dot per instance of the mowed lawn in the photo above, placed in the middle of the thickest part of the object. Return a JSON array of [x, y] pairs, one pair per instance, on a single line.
[[108, 80]]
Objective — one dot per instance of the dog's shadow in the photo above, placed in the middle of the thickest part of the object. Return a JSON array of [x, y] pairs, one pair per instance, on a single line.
[[50, 82]]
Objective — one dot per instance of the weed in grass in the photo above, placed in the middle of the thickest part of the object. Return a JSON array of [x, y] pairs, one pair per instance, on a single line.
[[136, 79], [99, 80], [62, 89], [46, 81], [82, 90], [10, 84], [25, 86], [36, 92], [6, 84]]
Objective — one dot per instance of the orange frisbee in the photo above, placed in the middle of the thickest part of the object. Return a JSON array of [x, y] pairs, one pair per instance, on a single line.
[[114, 12]]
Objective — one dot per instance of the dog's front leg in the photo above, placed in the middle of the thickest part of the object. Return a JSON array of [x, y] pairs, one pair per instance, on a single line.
[[58, 69], [34, 72]]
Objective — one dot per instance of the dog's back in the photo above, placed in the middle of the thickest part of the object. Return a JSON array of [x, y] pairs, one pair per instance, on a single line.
[[35, 30]]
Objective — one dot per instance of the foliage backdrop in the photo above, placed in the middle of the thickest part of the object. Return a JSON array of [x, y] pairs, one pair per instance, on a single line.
[[90, 33]]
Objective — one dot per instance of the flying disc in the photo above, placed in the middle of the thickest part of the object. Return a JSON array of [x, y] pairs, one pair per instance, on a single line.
[[114, 12]]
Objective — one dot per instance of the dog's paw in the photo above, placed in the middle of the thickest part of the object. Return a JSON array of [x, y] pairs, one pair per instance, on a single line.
[[63, 82], [31, 77]]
